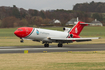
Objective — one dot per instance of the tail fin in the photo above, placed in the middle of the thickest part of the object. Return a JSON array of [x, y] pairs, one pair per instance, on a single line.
[[77, 29]]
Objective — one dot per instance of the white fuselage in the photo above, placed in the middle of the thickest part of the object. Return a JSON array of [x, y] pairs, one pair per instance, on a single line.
[[43, 34]]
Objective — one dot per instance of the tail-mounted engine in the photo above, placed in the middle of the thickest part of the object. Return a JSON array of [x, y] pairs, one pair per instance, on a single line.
[[74, 36], [65, 29]]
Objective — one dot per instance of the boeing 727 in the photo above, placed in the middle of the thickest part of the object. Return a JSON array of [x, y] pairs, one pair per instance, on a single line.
[[69, 35]]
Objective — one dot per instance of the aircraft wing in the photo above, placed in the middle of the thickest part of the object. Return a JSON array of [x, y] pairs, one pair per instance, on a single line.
[[74, 39]]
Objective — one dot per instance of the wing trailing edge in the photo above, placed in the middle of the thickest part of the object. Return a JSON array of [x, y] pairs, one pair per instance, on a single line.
[[74, 39]]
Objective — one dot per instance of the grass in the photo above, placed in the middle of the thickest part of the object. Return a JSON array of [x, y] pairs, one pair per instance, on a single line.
[[14, 41], [87, 31], [93, 31], [53, 61], [7, 32], [80, 66]]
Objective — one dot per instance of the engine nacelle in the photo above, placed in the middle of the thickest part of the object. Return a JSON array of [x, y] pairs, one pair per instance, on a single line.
[[74, 36], [71, 35], [65, 29]]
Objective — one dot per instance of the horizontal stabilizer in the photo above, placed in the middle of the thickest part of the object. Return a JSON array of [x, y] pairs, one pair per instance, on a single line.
[[85, 23]]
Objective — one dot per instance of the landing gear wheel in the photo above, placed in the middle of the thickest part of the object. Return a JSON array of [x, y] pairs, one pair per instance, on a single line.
[[22, 41], [46, 45], [60, 45]]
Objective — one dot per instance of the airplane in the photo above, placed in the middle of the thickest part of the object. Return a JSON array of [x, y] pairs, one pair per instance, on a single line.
[[69, 35]]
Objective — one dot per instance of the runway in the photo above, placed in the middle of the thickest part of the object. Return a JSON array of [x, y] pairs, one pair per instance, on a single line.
[[65, 48]]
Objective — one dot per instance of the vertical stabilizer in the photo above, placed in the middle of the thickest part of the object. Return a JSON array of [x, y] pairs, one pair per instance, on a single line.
[[76, 30]]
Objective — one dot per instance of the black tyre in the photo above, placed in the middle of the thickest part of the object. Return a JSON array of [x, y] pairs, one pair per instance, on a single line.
[[59, 45], [46, 45], [21, 41]]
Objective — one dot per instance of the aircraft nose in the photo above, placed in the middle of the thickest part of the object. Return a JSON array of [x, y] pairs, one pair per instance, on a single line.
[[23, 32], [19, 32], [16, 33]]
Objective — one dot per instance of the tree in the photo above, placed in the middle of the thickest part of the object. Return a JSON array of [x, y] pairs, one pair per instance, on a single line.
[[23, 22], [16, 12], [33, 12], [38, 20], [97, 16], [92, 2], [42, 14], [9, 22]]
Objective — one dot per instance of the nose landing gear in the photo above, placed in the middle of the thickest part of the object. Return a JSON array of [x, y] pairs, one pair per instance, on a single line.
[[21, 40]]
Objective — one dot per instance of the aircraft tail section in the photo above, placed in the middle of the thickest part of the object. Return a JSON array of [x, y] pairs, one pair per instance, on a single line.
[[76, 30]]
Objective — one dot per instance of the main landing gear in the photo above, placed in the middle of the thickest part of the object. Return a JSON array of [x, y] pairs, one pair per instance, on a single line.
[[60, 45], [46, 45]]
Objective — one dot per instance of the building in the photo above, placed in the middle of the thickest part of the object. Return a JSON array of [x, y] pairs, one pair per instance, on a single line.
[[73, 21], [56, 22], [96, 23]]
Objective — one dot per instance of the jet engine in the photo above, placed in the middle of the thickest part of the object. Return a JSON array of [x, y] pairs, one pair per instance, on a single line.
[[65, 29], [74, 36]]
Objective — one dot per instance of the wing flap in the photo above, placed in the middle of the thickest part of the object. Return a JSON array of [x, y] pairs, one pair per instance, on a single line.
[[74, 39]]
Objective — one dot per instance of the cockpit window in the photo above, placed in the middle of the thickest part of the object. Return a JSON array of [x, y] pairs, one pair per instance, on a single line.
[[19, 29]]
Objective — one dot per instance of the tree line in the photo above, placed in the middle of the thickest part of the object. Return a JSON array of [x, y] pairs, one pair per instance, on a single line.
[[90, 7], [17, 17]]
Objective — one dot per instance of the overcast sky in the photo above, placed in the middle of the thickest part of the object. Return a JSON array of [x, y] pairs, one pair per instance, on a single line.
[[44, 4]]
